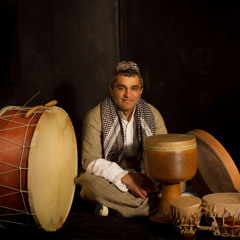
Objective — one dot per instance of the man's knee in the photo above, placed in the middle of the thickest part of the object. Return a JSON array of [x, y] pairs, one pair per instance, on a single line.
[[92, 187]]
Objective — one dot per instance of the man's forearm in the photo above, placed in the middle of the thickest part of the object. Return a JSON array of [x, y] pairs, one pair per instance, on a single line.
[[111, 171]]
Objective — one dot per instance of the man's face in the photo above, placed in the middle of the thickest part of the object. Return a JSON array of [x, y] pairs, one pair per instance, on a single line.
[[126, 93]]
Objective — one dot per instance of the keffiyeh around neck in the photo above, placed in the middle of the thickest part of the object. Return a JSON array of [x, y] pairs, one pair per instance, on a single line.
[[113, 137]]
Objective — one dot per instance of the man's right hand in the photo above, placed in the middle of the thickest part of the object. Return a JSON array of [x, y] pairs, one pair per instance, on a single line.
[[138, 183]]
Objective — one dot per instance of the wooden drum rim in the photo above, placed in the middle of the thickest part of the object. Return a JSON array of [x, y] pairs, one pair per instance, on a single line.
[[221, 153], [169, 142]]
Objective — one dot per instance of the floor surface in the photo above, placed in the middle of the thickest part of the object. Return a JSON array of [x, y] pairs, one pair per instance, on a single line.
[[82, 224]]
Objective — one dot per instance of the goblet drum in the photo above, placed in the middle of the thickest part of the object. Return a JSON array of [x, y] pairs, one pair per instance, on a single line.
[[169, 159]]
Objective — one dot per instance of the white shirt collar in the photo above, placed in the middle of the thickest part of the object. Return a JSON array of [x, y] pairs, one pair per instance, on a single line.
[[124, 118]]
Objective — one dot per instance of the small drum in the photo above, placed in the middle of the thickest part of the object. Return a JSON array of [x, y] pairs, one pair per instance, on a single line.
[[222, 211], [38, 164], [186, 215]]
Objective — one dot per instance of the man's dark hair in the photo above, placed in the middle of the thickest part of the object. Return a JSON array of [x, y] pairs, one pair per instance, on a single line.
[[128, 69]]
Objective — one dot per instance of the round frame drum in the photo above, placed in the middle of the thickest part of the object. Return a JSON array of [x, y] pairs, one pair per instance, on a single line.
[[38, 164], [222, 210], [216, 171]]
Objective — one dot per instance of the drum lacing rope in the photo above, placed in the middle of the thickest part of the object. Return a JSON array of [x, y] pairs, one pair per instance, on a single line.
[[20, 212], [205, 228], [18, 168], [224, 232], [20, 123], [187, 225]]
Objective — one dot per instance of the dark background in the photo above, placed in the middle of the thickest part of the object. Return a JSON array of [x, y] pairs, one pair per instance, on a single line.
[[188, 53]]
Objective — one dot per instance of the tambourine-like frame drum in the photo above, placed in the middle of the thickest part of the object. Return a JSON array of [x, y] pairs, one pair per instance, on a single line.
[[38, 164], [169, 159]]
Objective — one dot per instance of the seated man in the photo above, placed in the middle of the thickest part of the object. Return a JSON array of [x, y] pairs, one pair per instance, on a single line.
[[112, 147]]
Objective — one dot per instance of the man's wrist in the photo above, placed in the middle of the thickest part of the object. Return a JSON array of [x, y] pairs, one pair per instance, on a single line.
[[119, 184], [124, 178]]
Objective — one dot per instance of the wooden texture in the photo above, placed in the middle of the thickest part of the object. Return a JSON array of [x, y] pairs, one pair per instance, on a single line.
[[216, 171], [169, 159]]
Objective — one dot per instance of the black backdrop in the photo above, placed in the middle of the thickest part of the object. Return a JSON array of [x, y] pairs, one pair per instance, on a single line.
[[64, 49], [188, 52]]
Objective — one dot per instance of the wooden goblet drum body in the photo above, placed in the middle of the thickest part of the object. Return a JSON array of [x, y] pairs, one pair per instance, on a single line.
[[169, 159]]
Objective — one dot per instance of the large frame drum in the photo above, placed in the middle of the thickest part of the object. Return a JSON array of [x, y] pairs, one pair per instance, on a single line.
[[216, 170], [38, 164]]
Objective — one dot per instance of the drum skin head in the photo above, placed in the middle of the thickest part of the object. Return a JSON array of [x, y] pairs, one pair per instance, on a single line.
[[223, 204], [52, 169], [216, 171]]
